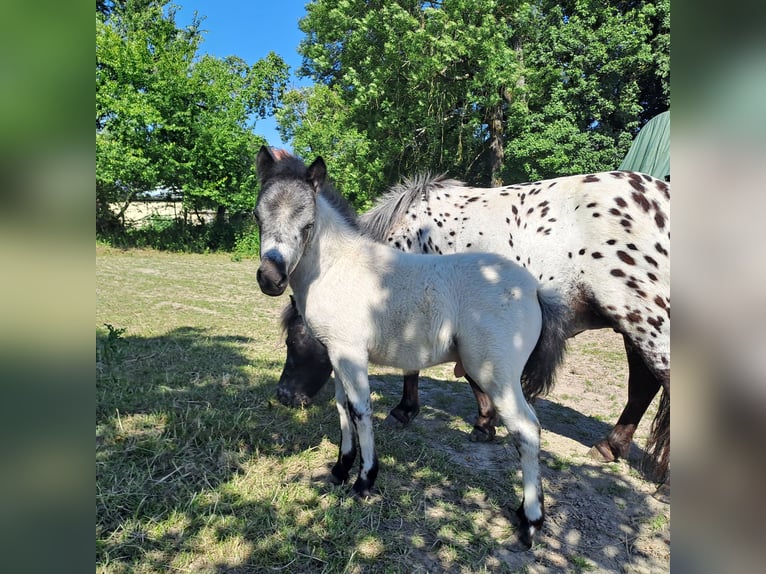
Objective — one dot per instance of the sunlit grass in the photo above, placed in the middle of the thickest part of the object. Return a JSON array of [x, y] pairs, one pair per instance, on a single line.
[[200, 469]]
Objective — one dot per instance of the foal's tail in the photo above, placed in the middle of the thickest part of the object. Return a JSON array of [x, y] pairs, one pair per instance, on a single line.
[[539, 373]]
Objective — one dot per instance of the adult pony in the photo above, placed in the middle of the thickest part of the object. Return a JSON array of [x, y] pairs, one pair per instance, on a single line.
[[368, 302], [602, 241]]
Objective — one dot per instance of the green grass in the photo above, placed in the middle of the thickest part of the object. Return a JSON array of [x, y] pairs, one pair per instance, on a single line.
[[200, 469], [581, 564]]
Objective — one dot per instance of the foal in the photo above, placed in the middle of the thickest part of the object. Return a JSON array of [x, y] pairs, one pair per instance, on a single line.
[[367, 302]]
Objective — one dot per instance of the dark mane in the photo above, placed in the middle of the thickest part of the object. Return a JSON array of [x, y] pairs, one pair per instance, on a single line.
[[391, 207], [289, 166], [340, 204]]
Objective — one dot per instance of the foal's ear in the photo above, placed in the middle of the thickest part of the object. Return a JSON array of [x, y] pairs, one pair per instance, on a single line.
[[264, 162], [316, 174]]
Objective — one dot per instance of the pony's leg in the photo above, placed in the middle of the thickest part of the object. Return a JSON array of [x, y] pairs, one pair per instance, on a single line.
[[355, 383], [484, 427], [642, 388], [409, 406], [524, 429], [347, 449]]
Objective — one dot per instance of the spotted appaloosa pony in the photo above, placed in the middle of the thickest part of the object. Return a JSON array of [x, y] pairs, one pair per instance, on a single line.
[[602, 241], [368, 302]]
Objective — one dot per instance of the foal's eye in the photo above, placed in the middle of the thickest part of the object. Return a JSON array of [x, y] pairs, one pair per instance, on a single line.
[[308, 226]]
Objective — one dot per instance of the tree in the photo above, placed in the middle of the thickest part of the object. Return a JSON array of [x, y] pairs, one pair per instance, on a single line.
[[218, 169], [486, 90], [316, 122], [419, 79], [165, 118], [596, 72]]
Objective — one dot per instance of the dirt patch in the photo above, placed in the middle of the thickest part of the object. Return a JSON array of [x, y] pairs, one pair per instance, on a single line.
[[600, 517]]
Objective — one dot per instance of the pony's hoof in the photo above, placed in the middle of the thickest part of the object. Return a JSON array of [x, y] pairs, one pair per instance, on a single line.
[[601, 452], [662, 493], [362, 488], [400, 417], [339, 474], [482, 434], [525, 529]]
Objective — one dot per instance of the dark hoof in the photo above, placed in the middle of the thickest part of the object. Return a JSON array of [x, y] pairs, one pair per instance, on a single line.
[[526, 531], [402, 417], [482, 434], [601, 452], [339, 474], [362, 488], [392, 422]]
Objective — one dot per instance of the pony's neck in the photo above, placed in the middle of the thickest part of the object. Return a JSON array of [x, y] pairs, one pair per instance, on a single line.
[[330, 223], [331, 238]]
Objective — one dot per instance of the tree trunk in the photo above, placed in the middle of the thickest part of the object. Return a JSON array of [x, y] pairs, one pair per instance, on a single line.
[[220, 214], [496, 145]]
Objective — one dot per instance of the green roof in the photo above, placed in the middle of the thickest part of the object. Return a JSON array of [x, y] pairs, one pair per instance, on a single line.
[[650, 151]]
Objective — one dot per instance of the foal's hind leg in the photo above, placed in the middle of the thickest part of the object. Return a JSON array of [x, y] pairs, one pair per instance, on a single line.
[[642, 388], [504, 389], [409, 406], [524, 430], [484, 427]]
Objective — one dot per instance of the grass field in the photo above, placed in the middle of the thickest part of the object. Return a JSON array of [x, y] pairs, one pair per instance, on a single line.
[[200, 469]]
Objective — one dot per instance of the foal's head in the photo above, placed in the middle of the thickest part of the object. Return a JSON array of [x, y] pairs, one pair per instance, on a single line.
[[285, 213]]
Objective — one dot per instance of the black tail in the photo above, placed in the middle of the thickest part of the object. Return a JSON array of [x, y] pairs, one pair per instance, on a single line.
[[539, 373], [658, 445]]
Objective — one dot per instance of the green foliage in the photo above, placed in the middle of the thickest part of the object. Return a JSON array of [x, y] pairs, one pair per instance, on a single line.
[[594, 80], [486, 91], [167, 118], [183, 236], [247, 242], [111, 347], [315, 120]]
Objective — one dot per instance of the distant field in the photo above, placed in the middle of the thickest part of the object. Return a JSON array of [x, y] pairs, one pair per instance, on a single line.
[[200, 469], [138, 211]]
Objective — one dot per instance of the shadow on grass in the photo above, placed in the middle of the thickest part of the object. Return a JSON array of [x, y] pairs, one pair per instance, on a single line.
[[199, 468], [554, 417], [176, 415]]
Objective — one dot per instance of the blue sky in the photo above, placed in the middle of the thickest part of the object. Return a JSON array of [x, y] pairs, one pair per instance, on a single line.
[[250, 30]]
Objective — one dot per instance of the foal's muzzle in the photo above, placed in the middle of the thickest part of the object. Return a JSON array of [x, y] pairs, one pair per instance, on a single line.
[[272, 275]]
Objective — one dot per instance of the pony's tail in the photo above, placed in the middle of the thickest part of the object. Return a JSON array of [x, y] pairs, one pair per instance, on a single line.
[[539, 373], [658, 444]]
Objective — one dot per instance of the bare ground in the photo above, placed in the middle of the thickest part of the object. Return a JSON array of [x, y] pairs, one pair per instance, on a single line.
[[601, 517]]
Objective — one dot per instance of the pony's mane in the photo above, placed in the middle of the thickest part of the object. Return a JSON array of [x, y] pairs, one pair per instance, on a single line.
[[340, 204], [391, 207], [289, 313], [289, 166]]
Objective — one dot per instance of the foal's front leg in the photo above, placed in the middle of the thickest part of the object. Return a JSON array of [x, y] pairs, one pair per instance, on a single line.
[[347, 449], [352, 395]]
